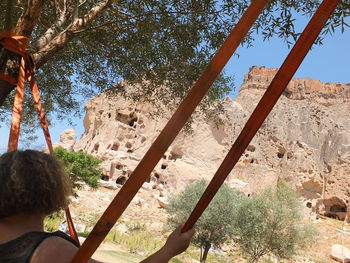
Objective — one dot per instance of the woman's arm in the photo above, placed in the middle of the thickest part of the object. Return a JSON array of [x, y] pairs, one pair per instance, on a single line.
[[56, 250], [59, 250], [176, 243]]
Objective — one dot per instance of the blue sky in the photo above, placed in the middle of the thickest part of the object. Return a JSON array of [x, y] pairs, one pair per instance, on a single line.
[[327, 63]]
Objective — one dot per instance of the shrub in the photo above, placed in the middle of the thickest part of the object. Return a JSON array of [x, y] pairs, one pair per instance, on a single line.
[[214, 227], [271, 223], [81, 167]]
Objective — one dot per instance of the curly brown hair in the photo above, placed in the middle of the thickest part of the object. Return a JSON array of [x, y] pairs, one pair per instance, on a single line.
[[32, 182]]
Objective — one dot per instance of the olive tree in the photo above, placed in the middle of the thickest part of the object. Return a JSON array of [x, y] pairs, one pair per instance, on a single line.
[[214, 227], [271, 223]]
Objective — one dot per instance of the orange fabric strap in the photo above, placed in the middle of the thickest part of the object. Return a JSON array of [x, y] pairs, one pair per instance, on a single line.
[[41, 112], [14, 43], [17, 109], [168, 134], [18, 44], [45, 127], [269, 99]]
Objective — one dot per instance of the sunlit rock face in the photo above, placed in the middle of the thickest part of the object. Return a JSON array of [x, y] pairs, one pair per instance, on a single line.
[[305, 140]]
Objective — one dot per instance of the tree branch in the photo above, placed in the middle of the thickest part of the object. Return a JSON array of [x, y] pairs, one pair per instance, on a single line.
[[93, 13], [29, 18], [64, 15], [57, 6], [95, 27], [154, 13], [58, 42], [94, 47], [82, 3], [9, 11]]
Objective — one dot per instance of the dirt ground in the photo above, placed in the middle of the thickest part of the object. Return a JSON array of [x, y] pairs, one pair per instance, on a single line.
[[146, 209], [330, 232]]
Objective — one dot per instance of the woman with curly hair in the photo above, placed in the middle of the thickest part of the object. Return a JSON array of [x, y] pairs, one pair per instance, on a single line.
[[32, 186]]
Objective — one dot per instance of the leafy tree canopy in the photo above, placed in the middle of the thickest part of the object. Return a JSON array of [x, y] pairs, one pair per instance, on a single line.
[[81, 47], [271, 223], [80, 167], [214, 227]]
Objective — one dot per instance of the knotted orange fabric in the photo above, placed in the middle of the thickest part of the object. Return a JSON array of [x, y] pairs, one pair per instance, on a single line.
[[17, 45]]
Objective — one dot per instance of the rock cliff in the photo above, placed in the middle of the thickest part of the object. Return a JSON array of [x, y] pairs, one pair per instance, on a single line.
[[258, 79], [305, 140]]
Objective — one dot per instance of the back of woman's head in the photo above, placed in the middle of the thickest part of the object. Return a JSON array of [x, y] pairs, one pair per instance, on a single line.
[[32, 182]]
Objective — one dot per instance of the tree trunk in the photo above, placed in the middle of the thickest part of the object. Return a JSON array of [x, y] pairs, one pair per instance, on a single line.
[[9, 65], [9, 62], [205, 253], [29, 18]]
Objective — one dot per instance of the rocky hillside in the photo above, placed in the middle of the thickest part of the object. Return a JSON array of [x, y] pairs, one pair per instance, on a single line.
[[258, 78], [305, 140]]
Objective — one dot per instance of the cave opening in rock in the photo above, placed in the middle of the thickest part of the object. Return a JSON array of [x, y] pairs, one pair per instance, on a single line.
[[115, 147], [280, 155], [338, 208], [105, 178], [97, 145], [332, 215], [335, 208], [132, 122], [121, 180], [174, 156], [251, 148]]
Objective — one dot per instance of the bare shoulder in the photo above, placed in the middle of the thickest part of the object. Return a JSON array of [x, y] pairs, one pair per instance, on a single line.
[[55, 250]]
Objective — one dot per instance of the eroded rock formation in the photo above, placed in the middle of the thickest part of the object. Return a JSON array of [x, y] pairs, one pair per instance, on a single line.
[[305, 140], [258, 78]]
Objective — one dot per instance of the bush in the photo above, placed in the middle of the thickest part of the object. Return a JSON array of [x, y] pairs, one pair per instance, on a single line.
[[214, 227], [80, 167], [271, 223]]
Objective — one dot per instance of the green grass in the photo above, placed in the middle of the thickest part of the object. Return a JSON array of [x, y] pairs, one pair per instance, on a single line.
[[135, 241], [52, 222], [176, 260]]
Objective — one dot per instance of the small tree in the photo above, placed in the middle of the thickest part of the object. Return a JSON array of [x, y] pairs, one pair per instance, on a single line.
[[80, 167], [271, 223], [214, 227]]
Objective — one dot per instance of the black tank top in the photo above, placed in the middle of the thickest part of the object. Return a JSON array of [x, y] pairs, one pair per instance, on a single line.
[[21, 249]]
